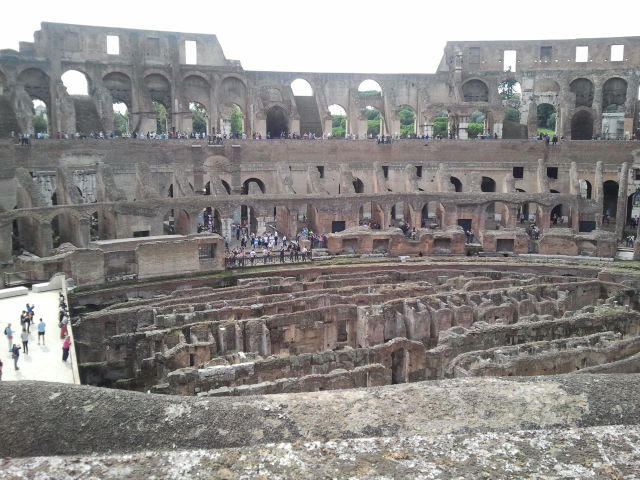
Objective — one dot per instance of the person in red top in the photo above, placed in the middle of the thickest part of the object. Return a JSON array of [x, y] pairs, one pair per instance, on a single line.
[[65, 348]]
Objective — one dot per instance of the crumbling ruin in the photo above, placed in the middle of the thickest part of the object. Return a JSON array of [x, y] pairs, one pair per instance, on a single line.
[[377, 351]]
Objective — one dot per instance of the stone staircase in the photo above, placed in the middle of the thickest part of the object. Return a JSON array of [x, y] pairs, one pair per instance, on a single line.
[[87, 118], [8, 121], [309, 115]]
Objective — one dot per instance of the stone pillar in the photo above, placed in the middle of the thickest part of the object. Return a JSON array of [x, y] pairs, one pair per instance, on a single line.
[[597, 108], [574, 181], [597, 193], [226, 227], [262, 225], [82, 232], [621, 213], [6, 243], [575, 217], [512, 219]]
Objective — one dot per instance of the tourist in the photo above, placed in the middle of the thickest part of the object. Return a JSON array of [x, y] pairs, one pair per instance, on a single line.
[[15, 354], [65, 348], [25, 340], [9, 334], [63, 326], [41, 329]]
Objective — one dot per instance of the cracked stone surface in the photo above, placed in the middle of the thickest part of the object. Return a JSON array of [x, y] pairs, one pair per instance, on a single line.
[[610, 452], [571, 426]]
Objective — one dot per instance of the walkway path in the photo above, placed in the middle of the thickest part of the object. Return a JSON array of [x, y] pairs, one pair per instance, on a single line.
[[44, 362]]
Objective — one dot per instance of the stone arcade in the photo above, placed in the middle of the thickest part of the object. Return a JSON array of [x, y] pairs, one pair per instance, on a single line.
[[385, 357]]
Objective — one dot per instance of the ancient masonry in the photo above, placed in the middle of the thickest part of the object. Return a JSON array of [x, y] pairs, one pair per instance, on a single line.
[[388, 359]]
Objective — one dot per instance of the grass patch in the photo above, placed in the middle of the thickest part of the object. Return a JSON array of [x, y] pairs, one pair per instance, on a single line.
[[546, 131]]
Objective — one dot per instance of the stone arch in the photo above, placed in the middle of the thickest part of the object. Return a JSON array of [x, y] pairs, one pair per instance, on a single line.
[[277, 122], [610, 191], [177, 222], [301, 88], [159, 88], [408, 120], [585, 189], [77, 82], [475, 90], [488, 184], [457, 184], [583, 89], [634, 198], [119, 86], [614, 92], [546, 116], [79, 87], [199, 117], [227, 125], [211, 221], [557, 214], [497, 216], [36, 83], [252, 185], [432, 214], [196, 87], [582, 125], [368, 86], [339, 120], [232, 90]]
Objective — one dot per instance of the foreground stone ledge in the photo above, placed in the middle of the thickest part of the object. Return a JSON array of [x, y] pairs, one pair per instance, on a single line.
[[608, 452], [54, 419]]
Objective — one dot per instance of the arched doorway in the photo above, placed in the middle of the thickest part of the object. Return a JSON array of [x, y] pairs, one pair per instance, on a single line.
[[199, 119], [582, 125], [211, 221], [546, 117], [40, 119], [585, 189], [121, 120], [408, 123], [338, 121], [232, 121], [610, 190], [277, 123]]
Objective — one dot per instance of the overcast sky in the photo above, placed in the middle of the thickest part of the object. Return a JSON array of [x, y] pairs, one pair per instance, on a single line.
[[337, 35]]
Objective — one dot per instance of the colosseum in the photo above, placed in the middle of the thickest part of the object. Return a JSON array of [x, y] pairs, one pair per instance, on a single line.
[[445, 270]]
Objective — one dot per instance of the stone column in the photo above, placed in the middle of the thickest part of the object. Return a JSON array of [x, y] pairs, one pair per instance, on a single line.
[[621, 213], [597, 193]]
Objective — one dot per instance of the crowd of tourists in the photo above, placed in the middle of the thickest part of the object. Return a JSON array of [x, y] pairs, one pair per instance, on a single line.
[[27, 321], [270, 247]]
